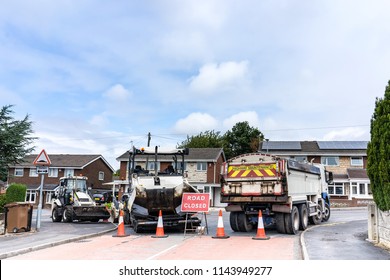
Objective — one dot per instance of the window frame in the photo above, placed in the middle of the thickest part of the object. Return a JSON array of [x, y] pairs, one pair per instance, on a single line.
[[101, 176], [201, 166], [29, 194], [51, 171], [361, 162], [21, 170], [33, 172], [325, 160]]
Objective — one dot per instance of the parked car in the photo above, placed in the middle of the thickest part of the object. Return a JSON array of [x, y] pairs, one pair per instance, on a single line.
[[101, 198]]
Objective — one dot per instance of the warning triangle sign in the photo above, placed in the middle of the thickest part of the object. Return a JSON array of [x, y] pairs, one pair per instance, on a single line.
[[42, 159]]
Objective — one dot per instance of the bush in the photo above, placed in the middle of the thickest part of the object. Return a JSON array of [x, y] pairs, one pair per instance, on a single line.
[[16, 193], [3, 202]]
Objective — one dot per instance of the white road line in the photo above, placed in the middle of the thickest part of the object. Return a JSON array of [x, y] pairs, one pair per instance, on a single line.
[[162, 252]]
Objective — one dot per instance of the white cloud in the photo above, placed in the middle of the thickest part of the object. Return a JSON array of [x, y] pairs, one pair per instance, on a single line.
[[99, 120], [220, 77], [349, 133], [251, 117], [117, 93], [196, 123]]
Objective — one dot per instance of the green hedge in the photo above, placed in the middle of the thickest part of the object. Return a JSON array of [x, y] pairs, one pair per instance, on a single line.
[[3, 201], [16, 193]]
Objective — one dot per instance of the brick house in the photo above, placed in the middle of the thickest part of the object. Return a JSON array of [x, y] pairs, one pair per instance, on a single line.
[[95, 167], [346, 159], [203, 166]]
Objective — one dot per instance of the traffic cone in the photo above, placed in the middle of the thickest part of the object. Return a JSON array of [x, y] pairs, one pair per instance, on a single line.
[[260, 229], [220, 229], [121, 226], [160, 227]]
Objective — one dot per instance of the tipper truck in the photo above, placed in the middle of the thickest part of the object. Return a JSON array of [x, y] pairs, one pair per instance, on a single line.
[[73, 202], [289, 193], [150, 191]]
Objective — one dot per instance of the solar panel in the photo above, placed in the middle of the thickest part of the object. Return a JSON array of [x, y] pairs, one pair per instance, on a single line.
[[342, 145], [281, 145]]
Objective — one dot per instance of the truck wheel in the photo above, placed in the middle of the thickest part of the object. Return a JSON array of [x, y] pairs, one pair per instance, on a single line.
[[316, 219], [291, 221], [279, 222], [67, 215], [326, 214], [233, 221], [303, 216], [55, 215], [243, 222]]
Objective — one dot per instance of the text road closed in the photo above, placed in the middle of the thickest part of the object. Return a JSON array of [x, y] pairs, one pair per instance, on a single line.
[[195, 202]]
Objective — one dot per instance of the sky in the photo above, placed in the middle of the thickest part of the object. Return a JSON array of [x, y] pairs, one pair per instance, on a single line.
[[95, 77]]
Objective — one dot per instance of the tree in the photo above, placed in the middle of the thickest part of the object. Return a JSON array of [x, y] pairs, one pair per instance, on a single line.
[[14, 139], [207, 139], [241, 139], [378, 152]]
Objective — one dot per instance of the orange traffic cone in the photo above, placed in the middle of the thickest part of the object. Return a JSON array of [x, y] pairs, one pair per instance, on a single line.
[[160, 227], [260, 229], [121, 226], [220, 229]]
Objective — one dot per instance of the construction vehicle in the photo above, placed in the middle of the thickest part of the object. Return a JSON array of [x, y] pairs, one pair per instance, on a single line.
[[150, 191], [73, 202], [289, 193]]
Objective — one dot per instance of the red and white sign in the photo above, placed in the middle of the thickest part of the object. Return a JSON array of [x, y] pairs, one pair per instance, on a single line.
[[195, 202], [42, 159]]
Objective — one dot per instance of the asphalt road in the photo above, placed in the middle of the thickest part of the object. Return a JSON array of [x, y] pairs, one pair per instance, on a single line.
[[343, 237]]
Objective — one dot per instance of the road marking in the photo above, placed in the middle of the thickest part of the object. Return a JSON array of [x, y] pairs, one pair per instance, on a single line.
[[162, 252]]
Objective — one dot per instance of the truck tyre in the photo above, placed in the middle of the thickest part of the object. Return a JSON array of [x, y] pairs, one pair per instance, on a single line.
[[55, 216], [291, 221], [303, 216], [233, 221], [243, 222], [279, 221], [67, 215], [326, 214], [316, 219]]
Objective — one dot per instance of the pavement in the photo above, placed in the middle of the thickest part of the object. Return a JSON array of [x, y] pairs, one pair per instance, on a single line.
[[52, 234], [48, 235]]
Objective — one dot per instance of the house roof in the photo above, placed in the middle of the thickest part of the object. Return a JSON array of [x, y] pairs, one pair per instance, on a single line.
[[358, 148], [195, 154], [64, 161], [357, 173], [46, 187]]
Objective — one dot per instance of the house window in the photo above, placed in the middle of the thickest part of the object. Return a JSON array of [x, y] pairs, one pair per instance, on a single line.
[[18, 172], [68, 172], [362, 188], [49, 196], [356, 161], [354, 188], [53, 172], [101, 175], [30, 196], [336, 189], [33, 172], [201, 166], [300, 158], [330, 161]]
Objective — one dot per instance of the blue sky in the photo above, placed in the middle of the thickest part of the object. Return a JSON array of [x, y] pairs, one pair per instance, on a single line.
[[97, 76]]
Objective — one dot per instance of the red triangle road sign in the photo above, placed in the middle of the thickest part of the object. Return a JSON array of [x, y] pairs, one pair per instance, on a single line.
[[42, 159]]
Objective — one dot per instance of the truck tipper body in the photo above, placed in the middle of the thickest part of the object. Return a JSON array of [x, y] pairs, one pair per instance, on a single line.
[[150, 191], [290, 194]]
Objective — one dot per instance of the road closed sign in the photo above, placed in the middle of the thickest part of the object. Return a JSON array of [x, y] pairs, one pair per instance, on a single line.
[[195, 202]]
